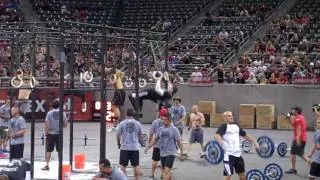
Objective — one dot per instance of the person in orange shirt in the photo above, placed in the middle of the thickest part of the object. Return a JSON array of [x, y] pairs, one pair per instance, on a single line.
[[299, 125]]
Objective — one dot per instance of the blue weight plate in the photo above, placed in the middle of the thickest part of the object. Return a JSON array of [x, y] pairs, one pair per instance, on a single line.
[[282, 149], [254, 174], [266, 147], [273, 172], [246, 146], [214, 152]]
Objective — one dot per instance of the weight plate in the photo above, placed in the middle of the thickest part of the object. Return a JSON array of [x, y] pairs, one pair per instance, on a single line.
[[144, 141], [255, 174], [273, 172], [266, 147], [282, 149], [213, 152], [246, 146]]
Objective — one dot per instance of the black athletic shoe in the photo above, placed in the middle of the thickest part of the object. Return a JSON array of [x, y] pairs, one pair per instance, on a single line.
[[291, 171], [45, 168]]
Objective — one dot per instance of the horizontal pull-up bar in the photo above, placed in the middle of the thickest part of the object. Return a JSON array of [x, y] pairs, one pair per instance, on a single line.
[[116, 28]]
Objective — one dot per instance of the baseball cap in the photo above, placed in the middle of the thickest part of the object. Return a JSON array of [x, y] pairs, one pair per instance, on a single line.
[[164, 113]]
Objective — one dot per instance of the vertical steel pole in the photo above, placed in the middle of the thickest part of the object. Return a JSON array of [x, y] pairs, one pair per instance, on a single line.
[[71, 117], [47, 59], [103, 93], [61, 95], [33, 105], [166, 65], [137, 74]]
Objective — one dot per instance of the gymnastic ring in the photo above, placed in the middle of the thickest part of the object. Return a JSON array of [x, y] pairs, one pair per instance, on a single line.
[[113, 78], [155, 77], [128, 82], [181, 81], [166, 76], [14, 79], [85, 74], [142, 82], [32, 81]]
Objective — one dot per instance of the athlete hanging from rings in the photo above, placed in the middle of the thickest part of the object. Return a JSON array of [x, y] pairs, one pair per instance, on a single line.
[[156, 94], [119, 95]]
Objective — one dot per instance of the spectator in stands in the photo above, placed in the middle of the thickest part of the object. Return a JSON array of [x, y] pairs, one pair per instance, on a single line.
[[220, 74], [252, 79], [196, 75]]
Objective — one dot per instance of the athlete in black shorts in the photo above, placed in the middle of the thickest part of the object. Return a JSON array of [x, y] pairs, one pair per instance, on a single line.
[[119, 95]]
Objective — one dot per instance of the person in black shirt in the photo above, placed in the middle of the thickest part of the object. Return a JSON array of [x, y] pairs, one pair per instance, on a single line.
[[157, 95]]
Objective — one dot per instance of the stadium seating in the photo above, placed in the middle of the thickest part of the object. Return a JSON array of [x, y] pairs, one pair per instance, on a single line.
[[220, 34], [289, 48], [149, 14]]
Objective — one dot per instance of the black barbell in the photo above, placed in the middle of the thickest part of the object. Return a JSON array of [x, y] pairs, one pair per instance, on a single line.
[[85, 139]]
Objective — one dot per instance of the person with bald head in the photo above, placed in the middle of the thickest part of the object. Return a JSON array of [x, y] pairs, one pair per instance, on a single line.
[[18, 128], [228, 136]]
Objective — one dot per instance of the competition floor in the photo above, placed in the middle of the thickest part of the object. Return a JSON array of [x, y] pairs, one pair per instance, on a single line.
[[192, 169]]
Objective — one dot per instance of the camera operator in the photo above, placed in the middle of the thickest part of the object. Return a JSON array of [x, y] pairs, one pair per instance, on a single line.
[[299, 125]]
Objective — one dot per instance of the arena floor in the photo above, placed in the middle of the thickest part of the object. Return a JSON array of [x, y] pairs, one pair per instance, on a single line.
[[187, 170]]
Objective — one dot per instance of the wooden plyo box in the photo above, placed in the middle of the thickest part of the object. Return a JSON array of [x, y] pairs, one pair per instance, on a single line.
[[265, 109], [216, 119], [283, 122], [207, 107], [247, 115]]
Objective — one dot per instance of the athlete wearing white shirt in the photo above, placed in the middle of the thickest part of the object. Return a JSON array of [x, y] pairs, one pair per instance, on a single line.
[[228, 136]]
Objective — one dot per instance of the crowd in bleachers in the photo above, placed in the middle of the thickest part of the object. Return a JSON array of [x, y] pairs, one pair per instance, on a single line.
[[10, 11], [220, 34], [286, 53]]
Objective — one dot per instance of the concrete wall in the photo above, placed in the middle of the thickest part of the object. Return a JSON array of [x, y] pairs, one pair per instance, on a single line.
[[229, 97]]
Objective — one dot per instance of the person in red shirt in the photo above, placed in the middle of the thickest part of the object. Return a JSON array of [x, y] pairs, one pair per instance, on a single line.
[[299, 125]]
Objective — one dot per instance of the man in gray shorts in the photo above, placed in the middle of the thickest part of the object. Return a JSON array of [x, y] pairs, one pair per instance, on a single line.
[[107, 172], [52, 131], [168, 138], [196, 123], [17, 131], [129, 133]]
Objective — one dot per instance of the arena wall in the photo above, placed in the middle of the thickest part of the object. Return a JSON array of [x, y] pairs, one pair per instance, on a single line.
[[229, 97]]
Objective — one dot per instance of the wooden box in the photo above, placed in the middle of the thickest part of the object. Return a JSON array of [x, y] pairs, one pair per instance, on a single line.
[[246, 121], [247, 109], [216, 119], [283, 122], [265, 122], [265, 110], [207, 107]]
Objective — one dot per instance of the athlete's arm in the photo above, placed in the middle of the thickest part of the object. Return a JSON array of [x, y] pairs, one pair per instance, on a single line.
[[170, 87]]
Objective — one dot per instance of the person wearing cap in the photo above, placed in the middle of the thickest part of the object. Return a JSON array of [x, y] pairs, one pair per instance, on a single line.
[[156, 125], [107, 172], [129, 136], [299, 125], [168, 137], [178, 113], [51, 130]]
